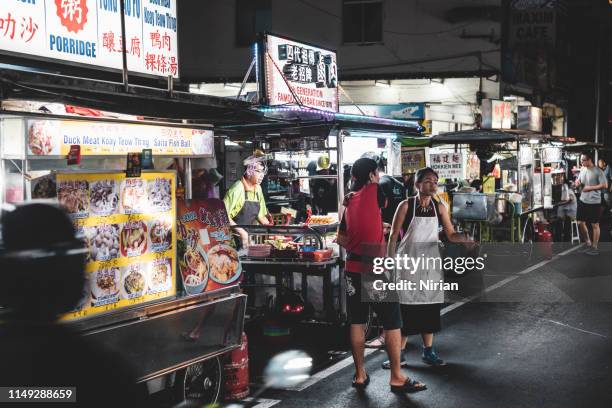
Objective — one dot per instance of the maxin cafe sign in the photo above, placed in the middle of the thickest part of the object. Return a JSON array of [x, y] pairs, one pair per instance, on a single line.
[[311, 72], [533, 22], [89, 32]]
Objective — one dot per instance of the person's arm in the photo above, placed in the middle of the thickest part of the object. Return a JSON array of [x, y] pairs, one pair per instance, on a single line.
[[449, 229], [262, 216], [233, 206], [342, 238], [603, 183], [396, 226]]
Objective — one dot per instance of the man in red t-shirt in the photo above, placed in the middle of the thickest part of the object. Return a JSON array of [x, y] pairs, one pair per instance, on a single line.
[[361, 234]]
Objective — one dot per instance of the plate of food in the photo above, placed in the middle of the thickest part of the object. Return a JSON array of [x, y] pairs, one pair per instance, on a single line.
[[44, 187], [133, 238], [103, 197], [224, 264], [103, 242], [74, 197], [160, 233], [194, 270], [160, 194], [40, 137], [105, 286], [134, 196], [160, 275], [134, 282]]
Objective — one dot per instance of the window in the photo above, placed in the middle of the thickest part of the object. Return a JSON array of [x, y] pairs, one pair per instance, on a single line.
[[252, 17], [362, 21]]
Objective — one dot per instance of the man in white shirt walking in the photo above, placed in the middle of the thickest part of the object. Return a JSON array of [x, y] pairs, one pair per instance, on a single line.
[[589, 211]]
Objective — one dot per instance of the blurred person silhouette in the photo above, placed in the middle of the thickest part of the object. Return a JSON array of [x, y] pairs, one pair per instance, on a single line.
[[42, 265]]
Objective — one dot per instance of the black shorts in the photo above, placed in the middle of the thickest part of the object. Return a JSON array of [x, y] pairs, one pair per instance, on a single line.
[[419, 319], [388, 313], [590, 213]]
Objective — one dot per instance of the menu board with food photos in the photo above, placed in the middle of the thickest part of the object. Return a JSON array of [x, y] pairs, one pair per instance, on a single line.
[[129, 226], [206, 258]]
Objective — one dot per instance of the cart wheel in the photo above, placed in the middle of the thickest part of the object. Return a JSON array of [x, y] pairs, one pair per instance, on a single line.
[[200, 382], [528, 239]]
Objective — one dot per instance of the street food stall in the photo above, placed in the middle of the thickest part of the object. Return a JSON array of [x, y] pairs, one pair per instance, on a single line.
[[162, 282], [501, 178], [301, 256]]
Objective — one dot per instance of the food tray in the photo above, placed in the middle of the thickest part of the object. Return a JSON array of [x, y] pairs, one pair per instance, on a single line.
[[317, 256]]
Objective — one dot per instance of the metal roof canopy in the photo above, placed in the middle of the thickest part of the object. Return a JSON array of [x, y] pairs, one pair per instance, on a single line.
[[487, 136], [110, 96], [297, 123]]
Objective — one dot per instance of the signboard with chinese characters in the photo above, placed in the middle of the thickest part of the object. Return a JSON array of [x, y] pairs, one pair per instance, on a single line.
[[54, 138], [311, 72], [448, 165], [412, 159], [130, 229], [89, 32], [496, 114]]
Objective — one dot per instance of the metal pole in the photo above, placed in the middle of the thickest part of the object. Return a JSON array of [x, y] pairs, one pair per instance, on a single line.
[[246, 77], [340, 184], [188, 185], [598, 90], [340, 160], [123, 46]]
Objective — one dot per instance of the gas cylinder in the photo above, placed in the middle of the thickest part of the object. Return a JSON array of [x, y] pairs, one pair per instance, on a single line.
[[544, 241], [236, 372]]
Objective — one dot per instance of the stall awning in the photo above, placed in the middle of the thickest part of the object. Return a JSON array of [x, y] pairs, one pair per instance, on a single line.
[[486, 136], [306, 122], [111, 96], [416, 141]]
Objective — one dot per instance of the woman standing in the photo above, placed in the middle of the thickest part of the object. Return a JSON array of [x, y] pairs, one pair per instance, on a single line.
[[361, 233], [420, 217]]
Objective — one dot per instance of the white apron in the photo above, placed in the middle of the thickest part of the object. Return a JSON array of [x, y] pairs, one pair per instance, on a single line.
[[421, 241]]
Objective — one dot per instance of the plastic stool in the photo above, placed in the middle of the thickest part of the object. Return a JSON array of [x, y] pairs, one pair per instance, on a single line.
[[575, 232]]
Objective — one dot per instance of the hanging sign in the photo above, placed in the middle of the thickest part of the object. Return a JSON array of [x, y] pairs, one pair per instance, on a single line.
[[412, 160], [496, 114], [89, 32], [311, 72], [55, 137], [448, 165]]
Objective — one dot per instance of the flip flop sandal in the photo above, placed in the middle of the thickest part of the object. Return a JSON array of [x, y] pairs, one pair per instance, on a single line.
[[409, 387], [381, 343], [363, 385]]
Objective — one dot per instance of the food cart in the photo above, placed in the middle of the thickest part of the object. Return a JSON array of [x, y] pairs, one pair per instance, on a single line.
[[295, 255], [518, 188], [159, 290]]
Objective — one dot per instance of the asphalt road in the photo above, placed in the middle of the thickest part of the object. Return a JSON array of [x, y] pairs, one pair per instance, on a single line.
[[517, 336]]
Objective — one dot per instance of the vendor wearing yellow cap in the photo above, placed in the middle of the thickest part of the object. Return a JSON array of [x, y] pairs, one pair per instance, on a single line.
[[244, 201]]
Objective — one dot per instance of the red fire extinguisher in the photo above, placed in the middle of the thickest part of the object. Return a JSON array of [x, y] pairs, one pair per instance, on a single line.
[[236, 372], [544, 240]]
